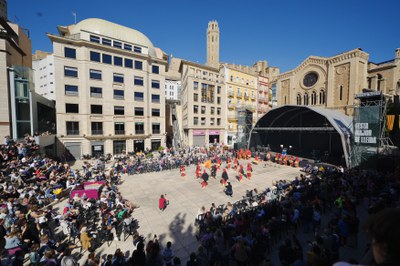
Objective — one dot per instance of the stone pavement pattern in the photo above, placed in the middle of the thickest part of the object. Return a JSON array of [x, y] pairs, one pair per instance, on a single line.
[[186, 197]]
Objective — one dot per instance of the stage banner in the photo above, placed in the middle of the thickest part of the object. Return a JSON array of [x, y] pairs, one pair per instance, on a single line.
[[367, 126]]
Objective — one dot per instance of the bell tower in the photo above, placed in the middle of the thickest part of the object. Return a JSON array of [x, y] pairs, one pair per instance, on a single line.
[[213, 44]]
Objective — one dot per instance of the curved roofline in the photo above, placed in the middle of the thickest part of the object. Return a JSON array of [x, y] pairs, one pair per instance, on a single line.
[[114, 31]]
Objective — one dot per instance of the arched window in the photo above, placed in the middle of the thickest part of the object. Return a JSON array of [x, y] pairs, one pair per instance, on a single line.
[[313, 98], [298, 99], [305, 100], [379, 81], [340, 92], [322, 97]]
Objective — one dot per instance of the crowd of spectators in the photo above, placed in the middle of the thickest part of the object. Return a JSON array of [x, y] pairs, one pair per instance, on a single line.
[[240, 233]]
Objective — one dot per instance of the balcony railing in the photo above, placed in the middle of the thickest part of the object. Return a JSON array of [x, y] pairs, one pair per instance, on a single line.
[[119, 132], [246, 97], [156, 131], [232, 117], [97, 132], [253, 97], [231, 106], [239, 94], [96, 95], [71, 132], [139, 132], [231, 94]]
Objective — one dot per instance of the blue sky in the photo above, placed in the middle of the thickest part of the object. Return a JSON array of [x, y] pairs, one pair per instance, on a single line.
[[282, 32]]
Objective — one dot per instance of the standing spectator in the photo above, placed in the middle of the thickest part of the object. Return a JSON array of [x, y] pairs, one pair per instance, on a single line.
[[168, 254], [162, 203], [68, 259], [138, 256]]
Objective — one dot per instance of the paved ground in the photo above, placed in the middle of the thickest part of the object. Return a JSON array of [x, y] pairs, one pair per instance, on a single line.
[[186, 197]]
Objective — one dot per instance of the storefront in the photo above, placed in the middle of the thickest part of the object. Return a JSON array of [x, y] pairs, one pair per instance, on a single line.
[[155, 144], [97, 148], [213, 136], [119, 147], [138, 145], [199, 138]]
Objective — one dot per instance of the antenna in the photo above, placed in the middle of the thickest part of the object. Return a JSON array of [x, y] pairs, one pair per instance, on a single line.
[[74, 14]]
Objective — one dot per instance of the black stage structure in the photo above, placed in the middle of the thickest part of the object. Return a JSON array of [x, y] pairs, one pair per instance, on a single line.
[[309, 132]]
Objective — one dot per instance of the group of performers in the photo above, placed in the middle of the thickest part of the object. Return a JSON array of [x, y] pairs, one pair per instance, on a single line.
[[285, 159]]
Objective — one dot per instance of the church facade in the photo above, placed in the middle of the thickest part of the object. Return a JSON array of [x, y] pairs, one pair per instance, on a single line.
[[332, 82]]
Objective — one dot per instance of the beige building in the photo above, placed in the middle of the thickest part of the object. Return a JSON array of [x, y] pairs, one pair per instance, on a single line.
[[109, 89], [213, 44], [241, 86], [329, 82], [385, 76], [203, 101], [15, 79]]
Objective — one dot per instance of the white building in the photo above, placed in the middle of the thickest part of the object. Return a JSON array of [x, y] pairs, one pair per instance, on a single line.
[[172, 89], [109, 89], [43, 75]]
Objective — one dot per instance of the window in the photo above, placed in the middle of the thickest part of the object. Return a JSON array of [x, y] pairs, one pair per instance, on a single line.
[[305, 99], [195, 85], [127, 47], [155, 112], [138, 65], [298, 99], [322, 97], [139, 96], [118, 94], [212, 110], [119, 128], [340, 92], [195, 120], [313, 98], [72, 108], [155, 84], [95, 74], [155, 144], [195, 109], [139, 111], [97, 128], [155, 98], [96, 109], [195, 97], [70, 52], [218, 111], [212, 121], [138, 81], [203, 121], [96, 92], [106, 41], [218, 121], [119, 146], [119, 110], [118, 78], [71, 90], [94, 38], [70, 72], [128, 63], [155, 128], [203, 110], [72, 128], [155, 69], [117, 44], [218, 100], [137, 49], [117, 61], [107, 59], [139, 128], [94, 56]]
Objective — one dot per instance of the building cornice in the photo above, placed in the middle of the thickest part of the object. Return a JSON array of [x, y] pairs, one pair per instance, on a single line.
[[80, 42]]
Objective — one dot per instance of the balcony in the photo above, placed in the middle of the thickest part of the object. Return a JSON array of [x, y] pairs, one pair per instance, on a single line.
[[156, 131], [239, 94], [246, 96], [72, 132], [232, 118], [253, 97], [119, 132], [231, 94], [96, 95], [139, 132], [231, 106], [97, 132]]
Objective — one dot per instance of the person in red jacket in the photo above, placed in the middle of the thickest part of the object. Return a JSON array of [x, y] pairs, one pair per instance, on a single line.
[[198, 170], [224, 177], [241, 173], [249, 170], [162, 203], [228, 163], [235, 164]]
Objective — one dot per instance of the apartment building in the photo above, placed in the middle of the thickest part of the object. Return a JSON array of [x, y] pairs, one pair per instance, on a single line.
[[203, 103], [173, 89], [109, 89], [241, 88], [43, 74]]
